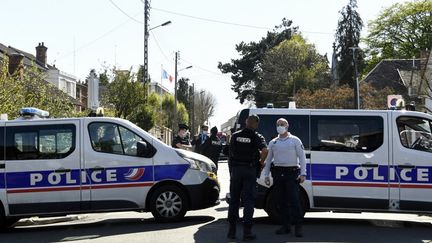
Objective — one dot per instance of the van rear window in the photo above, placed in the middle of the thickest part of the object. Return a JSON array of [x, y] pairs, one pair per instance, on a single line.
[[40, 142]]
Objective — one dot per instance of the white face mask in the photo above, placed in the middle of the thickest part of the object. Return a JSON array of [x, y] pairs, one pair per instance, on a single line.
[[281, 129], [205, 132]]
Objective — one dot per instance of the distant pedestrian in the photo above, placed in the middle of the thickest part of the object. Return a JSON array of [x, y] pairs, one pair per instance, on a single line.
[[248, 151], [212, 147], [181, 140], [286, 153], [202, 137]]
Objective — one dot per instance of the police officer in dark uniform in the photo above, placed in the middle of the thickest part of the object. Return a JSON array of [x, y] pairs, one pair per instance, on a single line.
[[181, 140], [212, 147], [244, 163]]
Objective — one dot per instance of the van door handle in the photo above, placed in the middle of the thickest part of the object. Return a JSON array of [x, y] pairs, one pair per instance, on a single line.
[[62, 170], [406, 166], [369, 165], [98, 168]]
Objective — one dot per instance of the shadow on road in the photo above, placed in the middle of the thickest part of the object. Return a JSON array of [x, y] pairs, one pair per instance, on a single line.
[[322, 230], [95, 230]]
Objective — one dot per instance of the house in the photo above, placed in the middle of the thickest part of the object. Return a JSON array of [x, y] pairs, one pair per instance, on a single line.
[[19, 60], [155, 87], [411, 78]]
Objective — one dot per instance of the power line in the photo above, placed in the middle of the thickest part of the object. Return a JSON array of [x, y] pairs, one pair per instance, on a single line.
[[95, 40], [210, 20], [201, 68], [160, 49], [231, 23], [121, 10]]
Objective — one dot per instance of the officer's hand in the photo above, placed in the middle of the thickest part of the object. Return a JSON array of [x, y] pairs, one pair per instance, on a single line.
[[267, 181], [301, 178]]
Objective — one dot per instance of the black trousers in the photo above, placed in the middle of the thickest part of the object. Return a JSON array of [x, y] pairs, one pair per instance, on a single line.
[[286, 187], [242, 184]]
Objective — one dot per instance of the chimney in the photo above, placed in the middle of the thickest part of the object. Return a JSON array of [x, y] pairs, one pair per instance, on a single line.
[[41, 54], [16, 63]]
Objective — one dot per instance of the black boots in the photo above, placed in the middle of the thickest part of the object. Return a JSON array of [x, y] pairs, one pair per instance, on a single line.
[[286, 229], [232, 231], [298, 230], [247, 233]]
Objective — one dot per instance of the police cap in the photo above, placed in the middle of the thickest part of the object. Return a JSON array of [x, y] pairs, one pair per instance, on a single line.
[[183, 126]]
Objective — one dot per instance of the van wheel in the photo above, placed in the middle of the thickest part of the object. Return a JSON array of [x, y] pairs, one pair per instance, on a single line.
[[273, 210], [168, 204]]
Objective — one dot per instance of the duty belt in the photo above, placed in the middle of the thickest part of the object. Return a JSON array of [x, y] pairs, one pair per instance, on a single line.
[[286, 168]]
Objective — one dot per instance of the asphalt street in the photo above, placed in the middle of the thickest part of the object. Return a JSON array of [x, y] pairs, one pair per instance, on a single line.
[[210, 225]]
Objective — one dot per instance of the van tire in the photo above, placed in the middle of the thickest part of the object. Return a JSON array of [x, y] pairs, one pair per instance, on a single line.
[[168, 203], [272, 208]]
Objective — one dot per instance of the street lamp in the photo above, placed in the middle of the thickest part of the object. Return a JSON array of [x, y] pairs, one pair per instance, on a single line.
[[146, 35], [157, 26]]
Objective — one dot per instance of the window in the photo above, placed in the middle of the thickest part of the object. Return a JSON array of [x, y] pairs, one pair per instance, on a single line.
[[111, 138], [40, 142], [346, 133], [415, 133], [298, 126]]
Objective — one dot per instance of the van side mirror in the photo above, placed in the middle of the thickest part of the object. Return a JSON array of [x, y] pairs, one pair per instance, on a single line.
[[144, 150]]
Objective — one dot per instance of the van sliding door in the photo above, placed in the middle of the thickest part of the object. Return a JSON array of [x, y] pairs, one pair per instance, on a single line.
[[349, 160]]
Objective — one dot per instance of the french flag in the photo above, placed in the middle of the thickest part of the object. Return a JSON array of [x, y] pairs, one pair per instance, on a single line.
[[165, 75]]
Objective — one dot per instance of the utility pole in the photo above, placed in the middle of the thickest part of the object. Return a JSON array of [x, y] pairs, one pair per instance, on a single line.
[[193, 110], [146, 35], [356, 86], [175, 90]]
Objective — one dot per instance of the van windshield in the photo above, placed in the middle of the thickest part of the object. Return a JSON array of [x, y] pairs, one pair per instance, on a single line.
[[415, 133]]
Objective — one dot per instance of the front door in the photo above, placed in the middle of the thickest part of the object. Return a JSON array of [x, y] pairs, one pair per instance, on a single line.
[[349, 160], [412, 146], [116, 176], [43, 167]]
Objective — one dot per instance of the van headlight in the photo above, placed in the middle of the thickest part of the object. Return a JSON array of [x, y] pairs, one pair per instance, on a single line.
[[198, 165]]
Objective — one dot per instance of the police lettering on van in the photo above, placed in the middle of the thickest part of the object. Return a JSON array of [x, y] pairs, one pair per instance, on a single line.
[[92, 164], [357, 160]]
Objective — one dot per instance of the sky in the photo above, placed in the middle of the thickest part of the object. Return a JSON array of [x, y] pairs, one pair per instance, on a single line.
[[94, 34]]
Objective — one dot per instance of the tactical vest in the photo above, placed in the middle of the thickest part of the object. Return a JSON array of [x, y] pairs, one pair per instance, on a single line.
[[244, 149]]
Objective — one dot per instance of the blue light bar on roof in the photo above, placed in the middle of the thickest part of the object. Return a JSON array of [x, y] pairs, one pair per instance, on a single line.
[[31, 111]]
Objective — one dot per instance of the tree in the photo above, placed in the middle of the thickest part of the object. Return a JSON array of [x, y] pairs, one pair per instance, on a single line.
[[342, 98], [288, 67], [168, 111], [183, 90], [347, 36], [31, 90], [204, 107], [402, 30], [246, 71], [124, 94]]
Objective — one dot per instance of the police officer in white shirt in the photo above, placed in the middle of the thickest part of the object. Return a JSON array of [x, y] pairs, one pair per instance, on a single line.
[[286, 153]]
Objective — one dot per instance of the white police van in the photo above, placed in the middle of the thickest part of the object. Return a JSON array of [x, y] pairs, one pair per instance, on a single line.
[[94, 164], [357, 160]]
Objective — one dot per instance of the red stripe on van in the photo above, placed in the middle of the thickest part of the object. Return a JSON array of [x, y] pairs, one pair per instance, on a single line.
[[349, 184], [74, 188], [366, 184]]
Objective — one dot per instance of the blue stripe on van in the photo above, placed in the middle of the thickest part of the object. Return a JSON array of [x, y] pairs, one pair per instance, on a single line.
[[116, 175], [357, 173]]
